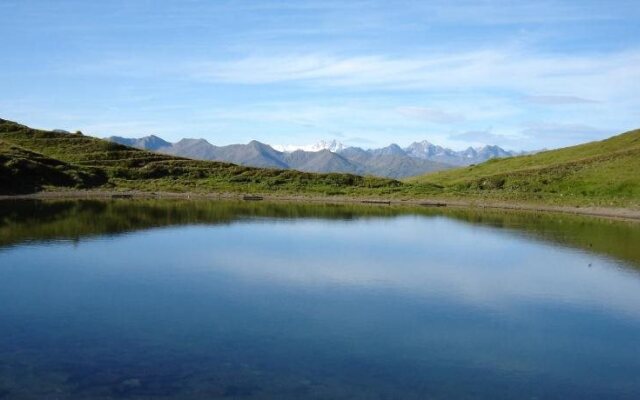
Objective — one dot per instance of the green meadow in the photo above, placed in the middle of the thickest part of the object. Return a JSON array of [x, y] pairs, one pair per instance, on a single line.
[[603, 173]]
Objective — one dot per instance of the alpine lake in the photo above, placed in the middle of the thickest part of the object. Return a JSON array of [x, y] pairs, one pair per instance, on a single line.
[[176, 299]]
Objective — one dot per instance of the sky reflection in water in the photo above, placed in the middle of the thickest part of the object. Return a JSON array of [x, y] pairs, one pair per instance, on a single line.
[[392, 306]]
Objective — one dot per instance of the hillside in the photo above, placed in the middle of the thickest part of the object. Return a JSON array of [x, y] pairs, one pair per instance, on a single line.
[[24, 171], [604, 173], [32, 160]]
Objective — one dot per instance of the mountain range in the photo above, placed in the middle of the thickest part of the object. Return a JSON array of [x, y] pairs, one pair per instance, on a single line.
[[593, 175], [392, 161]]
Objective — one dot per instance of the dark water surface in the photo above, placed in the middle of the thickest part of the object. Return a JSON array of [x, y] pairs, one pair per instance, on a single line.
[[205, 300]]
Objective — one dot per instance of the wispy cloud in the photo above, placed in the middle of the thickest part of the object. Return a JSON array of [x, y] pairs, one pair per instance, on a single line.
[[482, 136], [557, 100], [543, 73], [534, 135], [359, 141], [585, 76], [504, 12], [431, 114], [563, 132]]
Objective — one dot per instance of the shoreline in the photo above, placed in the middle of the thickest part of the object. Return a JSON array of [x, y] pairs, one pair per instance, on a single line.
[[604, 212]]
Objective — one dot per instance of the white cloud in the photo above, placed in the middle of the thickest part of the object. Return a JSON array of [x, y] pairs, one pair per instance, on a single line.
[[431, 114], [408, 98], [563, 132], [583, 76], [557, 100], [482, 136]]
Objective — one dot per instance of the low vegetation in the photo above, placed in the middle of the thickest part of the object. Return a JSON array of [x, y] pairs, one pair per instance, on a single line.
[[603, 173], [33, 160], [24, 171]]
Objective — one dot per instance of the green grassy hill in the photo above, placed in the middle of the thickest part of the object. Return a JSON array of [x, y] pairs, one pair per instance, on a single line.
[[32, 160], [606, 172], [24, 171]]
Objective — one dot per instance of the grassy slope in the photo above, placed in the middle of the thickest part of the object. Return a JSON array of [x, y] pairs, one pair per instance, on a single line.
[[601, 173], [23, 171], [606, 172], [127, 168]]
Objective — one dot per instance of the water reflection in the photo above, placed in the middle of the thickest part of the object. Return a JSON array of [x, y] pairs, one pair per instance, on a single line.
[[71, 220], [248, 300]]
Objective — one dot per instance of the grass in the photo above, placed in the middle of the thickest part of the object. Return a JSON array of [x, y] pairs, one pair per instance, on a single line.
[[23, 171], [604, 173], [127, 168], [600, 173]]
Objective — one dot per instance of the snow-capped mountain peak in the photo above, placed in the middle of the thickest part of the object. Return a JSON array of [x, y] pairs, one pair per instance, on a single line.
[[332, 145]]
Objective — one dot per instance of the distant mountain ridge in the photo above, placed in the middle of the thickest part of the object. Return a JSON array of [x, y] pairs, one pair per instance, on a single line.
[[588, 178], [325, 156], [34, 160], [151, 142], [430, 151]]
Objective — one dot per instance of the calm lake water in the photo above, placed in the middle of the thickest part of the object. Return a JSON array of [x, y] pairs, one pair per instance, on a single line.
[[204, 300]]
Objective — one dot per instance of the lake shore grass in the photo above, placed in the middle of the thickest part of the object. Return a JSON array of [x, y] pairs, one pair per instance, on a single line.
[[625, 213]]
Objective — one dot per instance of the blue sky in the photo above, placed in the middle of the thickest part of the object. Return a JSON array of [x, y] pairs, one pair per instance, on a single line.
[[523, 75]]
